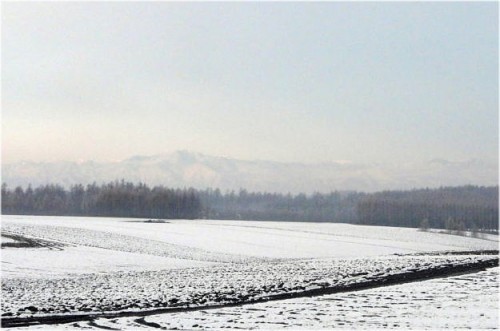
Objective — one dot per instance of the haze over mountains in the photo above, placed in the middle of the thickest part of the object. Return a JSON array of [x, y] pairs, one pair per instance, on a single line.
[[188, 169]]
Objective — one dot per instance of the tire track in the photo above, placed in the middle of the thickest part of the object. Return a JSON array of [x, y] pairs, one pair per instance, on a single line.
[[438, 271]]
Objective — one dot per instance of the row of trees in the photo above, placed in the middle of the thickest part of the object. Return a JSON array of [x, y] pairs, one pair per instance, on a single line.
[[123, 199], [472, 206], [120, 199], [330, 207]]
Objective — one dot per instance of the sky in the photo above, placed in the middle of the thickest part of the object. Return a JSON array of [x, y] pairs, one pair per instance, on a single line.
[[292, 82]]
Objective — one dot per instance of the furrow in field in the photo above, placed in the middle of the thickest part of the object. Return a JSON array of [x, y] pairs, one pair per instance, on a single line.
[[145, 293]]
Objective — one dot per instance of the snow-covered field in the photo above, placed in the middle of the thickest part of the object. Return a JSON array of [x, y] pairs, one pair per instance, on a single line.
[[238, 241], [81, 265], [459, 302]]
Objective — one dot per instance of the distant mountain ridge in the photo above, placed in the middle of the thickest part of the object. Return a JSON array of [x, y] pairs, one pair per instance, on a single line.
[[189, 169]]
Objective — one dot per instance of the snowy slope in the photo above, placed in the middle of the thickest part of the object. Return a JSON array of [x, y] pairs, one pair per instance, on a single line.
[[109, 244], [246, 238]]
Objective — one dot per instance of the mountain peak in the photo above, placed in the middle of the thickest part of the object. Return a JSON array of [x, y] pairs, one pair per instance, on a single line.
[[190, 169]]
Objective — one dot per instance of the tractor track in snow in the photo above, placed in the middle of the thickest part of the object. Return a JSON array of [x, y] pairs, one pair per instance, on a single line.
[[436, 271]]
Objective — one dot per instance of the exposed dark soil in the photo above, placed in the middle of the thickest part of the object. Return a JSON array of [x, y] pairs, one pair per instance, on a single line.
[[151, 221], [29, 242], [483, 252]]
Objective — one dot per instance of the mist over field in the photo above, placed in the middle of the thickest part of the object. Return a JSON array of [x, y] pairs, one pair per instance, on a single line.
[[190, 169]]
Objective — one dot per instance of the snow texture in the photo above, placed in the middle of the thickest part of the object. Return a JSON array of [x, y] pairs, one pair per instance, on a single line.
[[461, 302], [80, 265]]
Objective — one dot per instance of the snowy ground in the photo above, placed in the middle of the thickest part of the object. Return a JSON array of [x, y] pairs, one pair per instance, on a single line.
[[112, 244], [47, 263], [91, 265], [238, 241], [461, 302]]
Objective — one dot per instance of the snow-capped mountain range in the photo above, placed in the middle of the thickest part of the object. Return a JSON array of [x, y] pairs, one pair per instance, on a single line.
[[188, 169]]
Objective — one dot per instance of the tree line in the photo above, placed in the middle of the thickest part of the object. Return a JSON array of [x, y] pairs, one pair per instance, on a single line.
[[318, 207], [118, 199], [468, 207], [473, 206]]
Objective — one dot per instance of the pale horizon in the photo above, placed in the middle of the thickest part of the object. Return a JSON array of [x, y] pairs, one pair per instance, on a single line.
[[306, 162]]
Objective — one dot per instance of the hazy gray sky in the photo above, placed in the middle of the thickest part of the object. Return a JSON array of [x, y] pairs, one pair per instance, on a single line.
[[307, 82]]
